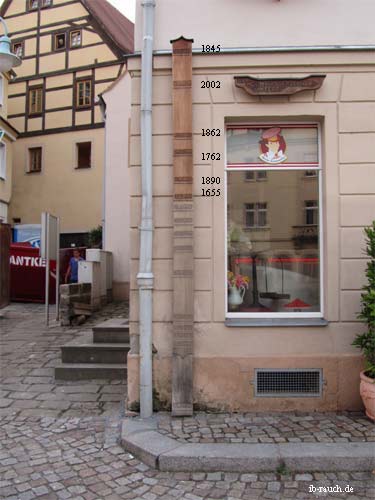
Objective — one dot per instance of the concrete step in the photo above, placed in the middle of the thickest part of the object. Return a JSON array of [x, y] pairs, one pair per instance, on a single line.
[[83, 350], [115, 330], [90, 371]]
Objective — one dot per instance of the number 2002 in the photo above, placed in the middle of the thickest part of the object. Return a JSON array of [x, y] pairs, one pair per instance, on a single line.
[[210, 84]]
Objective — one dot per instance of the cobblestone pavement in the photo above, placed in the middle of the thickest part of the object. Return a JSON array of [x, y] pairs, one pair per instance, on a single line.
[[290, 427], [79, 459], [30, 351], [59, 440]]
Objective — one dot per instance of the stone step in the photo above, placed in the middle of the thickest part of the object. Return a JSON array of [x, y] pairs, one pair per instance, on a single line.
[[90, 371], [115, 330], [83, 350]]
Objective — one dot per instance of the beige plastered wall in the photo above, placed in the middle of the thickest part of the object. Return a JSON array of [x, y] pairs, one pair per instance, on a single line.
[[8, 139], [260, 23], [225, 357], [74, 195], [116, 200]]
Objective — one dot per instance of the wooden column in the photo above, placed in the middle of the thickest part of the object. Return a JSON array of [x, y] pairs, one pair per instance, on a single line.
[[183, 259]]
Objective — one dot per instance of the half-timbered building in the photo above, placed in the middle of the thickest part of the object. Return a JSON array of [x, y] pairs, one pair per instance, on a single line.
[[71, 52]]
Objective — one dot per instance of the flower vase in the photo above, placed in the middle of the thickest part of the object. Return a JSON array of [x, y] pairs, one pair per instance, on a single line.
[[235, 297]]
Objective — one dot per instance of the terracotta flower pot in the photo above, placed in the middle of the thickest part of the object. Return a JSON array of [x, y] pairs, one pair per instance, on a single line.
[[367, 391]]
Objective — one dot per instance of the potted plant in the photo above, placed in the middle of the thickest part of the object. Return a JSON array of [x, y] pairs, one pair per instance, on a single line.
[[237, 285], [366, 341]]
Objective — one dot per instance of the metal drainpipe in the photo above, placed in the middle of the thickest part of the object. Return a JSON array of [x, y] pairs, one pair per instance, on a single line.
[[145, 277]]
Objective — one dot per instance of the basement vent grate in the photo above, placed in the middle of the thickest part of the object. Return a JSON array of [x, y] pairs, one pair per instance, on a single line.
[[288, 382]]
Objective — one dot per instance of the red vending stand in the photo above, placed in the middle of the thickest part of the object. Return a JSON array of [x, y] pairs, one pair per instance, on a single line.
[[27, 274]]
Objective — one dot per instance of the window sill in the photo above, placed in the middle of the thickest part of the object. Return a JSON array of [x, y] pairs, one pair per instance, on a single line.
[[256, 322]]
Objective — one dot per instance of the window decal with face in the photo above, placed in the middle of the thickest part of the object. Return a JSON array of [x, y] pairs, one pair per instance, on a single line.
[[272, 146]]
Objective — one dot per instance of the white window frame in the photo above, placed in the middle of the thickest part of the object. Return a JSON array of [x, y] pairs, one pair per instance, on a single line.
[[256, 211], [313, 209], [271, 315], [3, 166]]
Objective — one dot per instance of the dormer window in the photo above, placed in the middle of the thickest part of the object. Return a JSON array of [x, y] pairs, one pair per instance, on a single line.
[[17, 48], [60, 41], [35, 4], [75, 39]]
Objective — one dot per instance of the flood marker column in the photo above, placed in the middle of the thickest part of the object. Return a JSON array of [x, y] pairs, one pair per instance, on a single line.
[[183, 258]]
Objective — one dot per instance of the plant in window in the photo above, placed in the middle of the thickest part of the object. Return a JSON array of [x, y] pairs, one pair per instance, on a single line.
[[237, 286], [366, 341], [96, 237]]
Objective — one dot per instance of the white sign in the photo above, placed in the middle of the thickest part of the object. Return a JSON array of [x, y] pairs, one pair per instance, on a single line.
[[49, 236]]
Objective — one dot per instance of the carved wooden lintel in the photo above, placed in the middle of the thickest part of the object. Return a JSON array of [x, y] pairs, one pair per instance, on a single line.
[[278, 86]]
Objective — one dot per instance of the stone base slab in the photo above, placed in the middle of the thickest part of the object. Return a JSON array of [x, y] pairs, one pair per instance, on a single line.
[[141, 438]]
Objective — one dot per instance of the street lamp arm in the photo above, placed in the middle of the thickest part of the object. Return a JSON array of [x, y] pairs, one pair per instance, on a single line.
[[5, 26]]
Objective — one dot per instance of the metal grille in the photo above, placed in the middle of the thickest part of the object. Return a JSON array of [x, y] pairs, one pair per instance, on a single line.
[[288, 382]]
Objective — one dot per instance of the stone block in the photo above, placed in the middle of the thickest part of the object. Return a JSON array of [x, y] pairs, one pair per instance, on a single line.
[[329, 91], [221, 457], [357, 210], [163, 274], [357, 117], [356, 147], [225, 93], [353, 274], [163, 211], [200, 95], [201, 118], [357, 179], [350, 305], [202, 274], [202, 243], [352, 242], [328, 456], [202, 306], [358, 87]]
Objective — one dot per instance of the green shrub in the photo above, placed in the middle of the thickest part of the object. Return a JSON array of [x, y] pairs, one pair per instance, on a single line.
[[366, 341], [95, 237]]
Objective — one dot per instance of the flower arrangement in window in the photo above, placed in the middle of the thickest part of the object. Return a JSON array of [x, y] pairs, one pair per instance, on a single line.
[[237, 285], [238, 280]]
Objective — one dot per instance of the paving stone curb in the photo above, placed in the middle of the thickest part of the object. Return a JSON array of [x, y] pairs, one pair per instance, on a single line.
[[141, 438]]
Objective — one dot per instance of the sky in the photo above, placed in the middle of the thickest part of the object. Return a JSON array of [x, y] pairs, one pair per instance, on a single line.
[[127, 7]]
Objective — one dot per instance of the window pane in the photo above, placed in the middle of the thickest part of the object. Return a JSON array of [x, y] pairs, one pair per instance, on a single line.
[[35, 159], [75, 38], [276, 145], [84, 93], [274, 246], [60, 41], [18, 49], [35, 105], [261, 175], [84, 155]]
